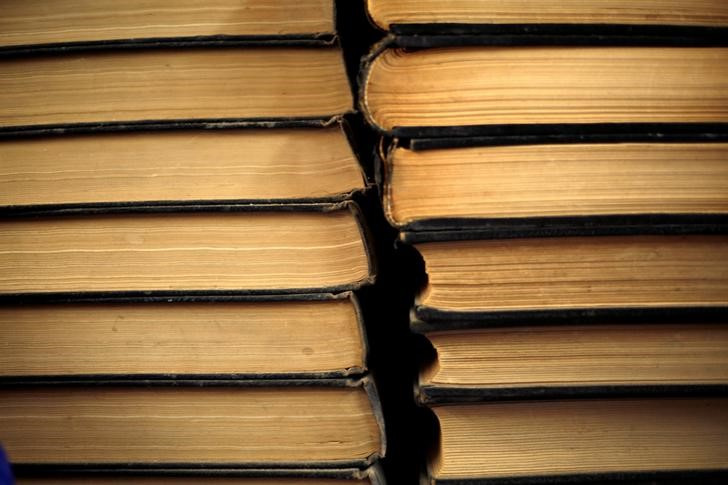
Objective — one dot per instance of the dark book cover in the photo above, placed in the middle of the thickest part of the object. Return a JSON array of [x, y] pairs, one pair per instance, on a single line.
[[427, 394], [460, 229], [372, 473], [707, 477]]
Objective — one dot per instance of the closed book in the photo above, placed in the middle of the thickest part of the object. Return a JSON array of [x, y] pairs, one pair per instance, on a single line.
[[395, 14], [180, 167], [187, 87], [28, 27], [247, 250], [258, 423], [523, 360], [551, 185], [526, 277], [577, 441], [537, 90], [304, 336]]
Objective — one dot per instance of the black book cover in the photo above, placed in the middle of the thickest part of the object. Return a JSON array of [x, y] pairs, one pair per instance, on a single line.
[[459, 229], [425, 319], [155, 125], [431, 394], [678, 477], [426, 35], [372, 473], [206, 41]]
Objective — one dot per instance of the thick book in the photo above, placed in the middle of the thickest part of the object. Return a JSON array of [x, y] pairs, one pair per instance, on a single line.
[[519, 277], [587, 440], [393, 14], [481, 187], [242, 166], [523, 360], [206, 87], [225, 476], [66, 24], [468, 91], [293, 337], [246, 250], [324, 423]]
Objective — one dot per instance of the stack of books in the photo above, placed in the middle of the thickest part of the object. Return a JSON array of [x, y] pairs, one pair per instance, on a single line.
[[180, 246], [562, 168]]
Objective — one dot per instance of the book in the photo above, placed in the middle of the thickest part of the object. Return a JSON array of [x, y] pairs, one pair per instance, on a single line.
[[461, 91], [566, 359], [255, 424], [595, 439], [105, 21], [343, 476], [477, 186], [384, 13], [188, 166], [297, 336], [173, 86], [474, 278], [245, 251]]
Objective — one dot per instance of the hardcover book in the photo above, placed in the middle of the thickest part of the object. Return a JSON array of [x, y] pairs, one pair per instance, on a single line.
[[240, 166], [304, 336], [486, 186], [470, 279], [172, 86], [255, 424], [391, 14], [249, 251], [593, 440], [522, 360], [467, 91], [28, 25]]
